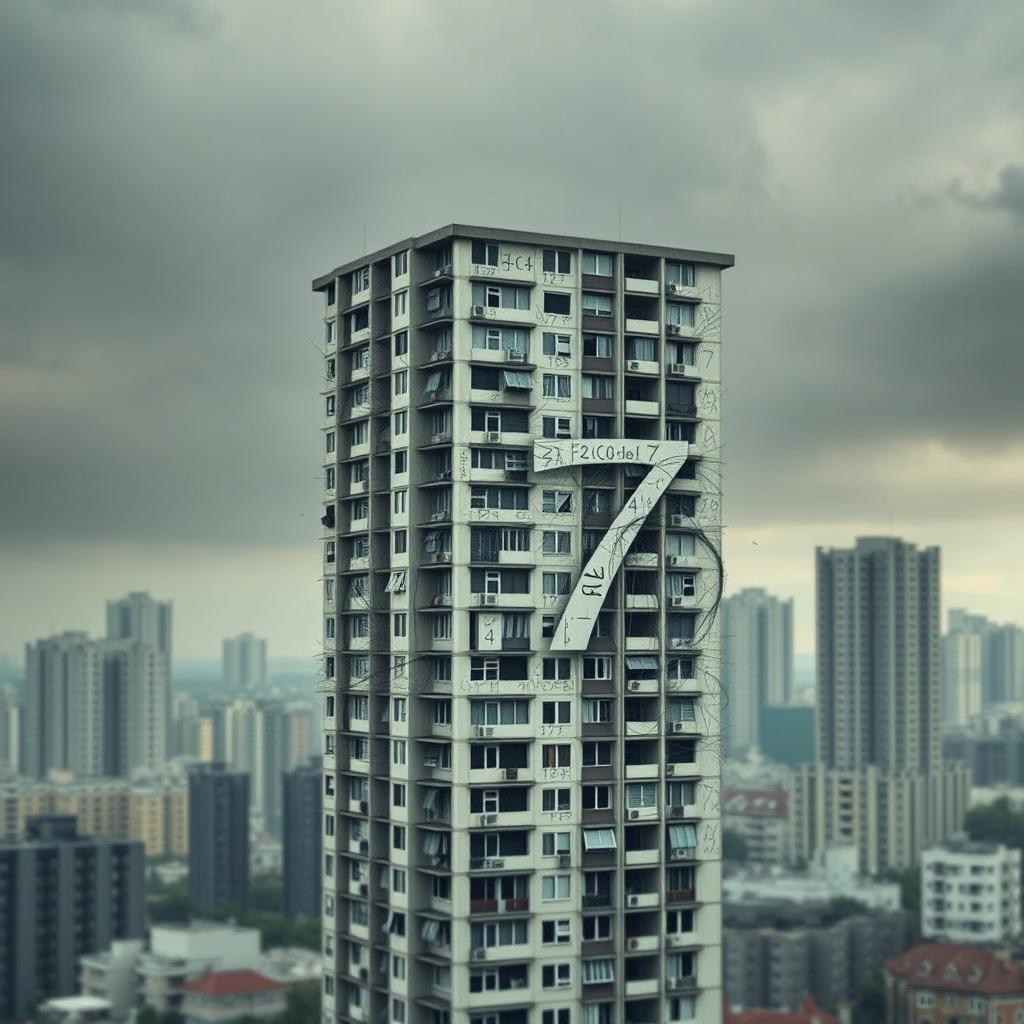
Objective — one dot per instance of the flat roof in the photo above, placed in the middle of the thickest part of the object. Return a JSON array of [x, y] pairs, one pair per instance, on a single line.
[[535, 237]]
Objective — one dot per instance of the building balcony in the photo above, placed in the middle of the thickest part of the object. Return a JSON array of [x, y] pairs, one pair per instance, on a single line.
[[642, 986], [685, 371], [481, 776], [687, 292], [642, 560], [501, 315], [358, 337], [643, 771], [636, 326], [491, 954], [642, 601], [642, 285], [636, 407], [500, 819], [636, 900], [509, 397], [643, 728], [643, 643], [639, 858], [643, 944], [648, 686], [523, 863]]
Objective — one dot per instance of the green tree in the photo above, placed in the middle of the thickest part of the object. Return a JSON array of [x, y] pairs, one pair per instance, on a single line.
[[734, 846], [870, 1007], [303, 1004], [909, 880]]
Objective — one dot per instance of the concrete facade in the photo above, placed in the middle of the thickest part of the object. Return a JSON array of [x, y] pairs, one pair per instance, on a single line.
[[303, 824], [244, 663], [557, 779], [218, 846]]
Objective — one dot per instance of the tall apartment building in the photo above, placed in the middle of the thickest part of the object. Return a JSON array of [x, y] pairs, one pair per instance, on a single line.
[[10, 731], [970, 892], [757, 662], [244, 663], [987, 660], [218, 837], [62, 895], [521, 654], [139, 617], [961, 677], [152, 810], [94, 707], [302, 803], [880, 782]]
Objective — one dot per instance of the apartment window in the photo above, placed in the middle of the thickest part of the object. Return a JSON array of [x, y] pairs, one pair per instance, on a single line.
[[597, 753], [641, 794], [556, 976], [401, 623], [679, 922], [680, 273], [557, 932], [557, 542], [398, 751], [598, 972], [398, 837], [398, 794], [597, 502], [332, 369], [597, 928], [596, 304], [360, 279], [599, 346], [598, 387], [485, 254], [501, 296], [401, 303], [401, 421], [402, 382], [359, 708], [329, 404], [557, 345], [557, 426], [679, 313], [597, 668], [596, 710], [361, 359], [361, 748], [361, 395], [438, 300], [556, 800], [556, 712], [557, 261], [402, 461], [556, 584], [329, 478], [331, 330], [556, 501], [330, 441], [547, 626], [597, 798], [557, 385], [401, 501], [555, 844], [556, 755], [500, 339], [600, 264], [558, 303]]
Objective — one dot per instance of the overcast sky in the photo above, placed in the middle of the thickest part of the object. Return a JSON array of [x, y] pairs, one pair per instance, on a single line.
[[174, 173]]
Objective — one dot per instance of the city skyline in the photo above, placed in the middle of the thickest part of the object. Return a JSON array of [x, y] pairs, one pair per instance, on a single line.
[[169, 393]]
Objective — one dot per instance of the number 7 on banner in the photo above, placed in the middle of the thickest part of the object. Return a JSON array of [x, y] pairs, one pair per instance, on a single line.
[[665, 458]]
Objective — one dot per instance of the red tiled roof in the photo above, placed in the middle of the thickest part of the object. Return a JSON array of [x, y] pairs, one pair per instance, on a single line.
[[769, 802], [949, 967], [807, 1014], [231, 983]]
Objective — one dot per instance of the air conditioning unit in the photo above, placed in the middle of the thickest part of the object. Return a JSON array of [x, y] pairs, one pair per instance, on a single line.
[[363, 807], [633, 684], [674, 329], [678, 726], [515, 357], [674, 559], [485, 730], [495, 863], [364, 974], [632, 943], [633, 815], [511, 774], [564, 860], [678, 643], [494, 436], [364, 889], [677, 289], [670, 769], [478, 954], [479, 311], [633, 365], [633, 901], [679, 368], [677, 602], [677, 520], [364, 846], [488, 819]]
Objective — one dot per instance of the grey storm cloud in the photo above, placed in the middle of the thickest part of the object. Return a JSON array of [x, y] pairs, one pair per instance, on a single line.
[[175, 174]]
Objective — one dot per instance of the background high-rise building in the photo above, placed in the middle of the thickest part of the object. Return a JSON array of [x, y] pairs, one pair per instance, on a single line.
[[880, 782], [244, 663], [757, 662], [218, 837], [10, 731], [94, 707], [521, 805], [961, 676], [302, 804], [139, 617], [997, 657], [62, 895]]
